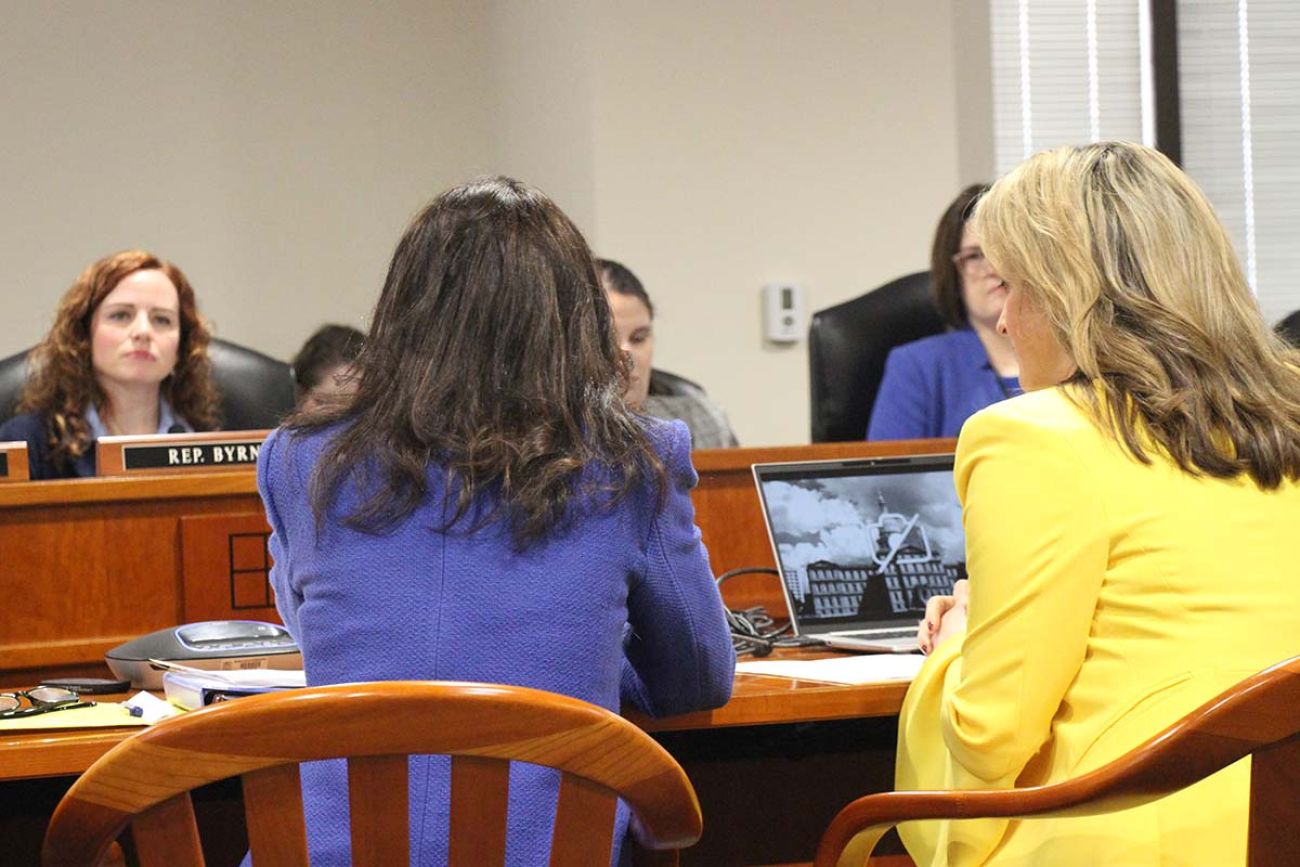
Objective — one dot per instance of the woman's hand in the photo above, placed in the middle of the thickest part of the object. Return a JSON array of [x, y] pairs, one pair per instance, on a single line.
[[945, 616]]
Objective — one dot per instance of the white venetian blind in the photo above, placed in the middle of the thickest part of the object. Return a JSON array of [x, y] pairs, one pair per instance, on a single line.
[[1064, 72], [1239, 82]]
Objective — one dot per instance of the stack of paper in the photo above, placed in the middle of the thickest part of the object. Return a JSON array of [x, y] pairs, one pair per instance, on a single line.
[[855, 669], [192, 688]]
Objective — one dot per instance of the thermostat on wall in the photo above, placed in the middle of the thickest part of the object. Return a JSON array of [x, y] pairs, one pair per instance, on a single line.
[[782, 312]]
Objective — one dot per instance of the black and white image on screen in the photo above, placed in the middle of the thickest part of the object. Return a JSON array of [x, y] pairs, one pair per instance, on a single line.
[[857, 549]]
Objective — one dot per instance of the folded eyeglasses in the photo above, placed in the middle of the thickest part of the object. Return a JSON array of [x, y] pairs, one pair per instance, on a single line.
[[42, 699]]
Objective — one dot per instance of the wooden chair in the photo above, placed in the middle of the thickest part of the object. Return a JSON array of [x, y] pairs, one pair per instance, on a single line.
[[146, 779], [1259, 717]]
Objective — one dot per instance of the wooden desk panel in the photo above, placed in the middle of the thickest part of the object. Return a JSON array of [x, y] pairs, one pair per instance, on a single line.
[[89, 563]]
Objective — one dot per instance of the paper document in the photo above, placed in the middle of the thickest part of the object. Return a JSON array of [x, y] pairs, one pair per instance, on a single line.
[[193, 688], [267, 678], [853, 669], [102, 715]]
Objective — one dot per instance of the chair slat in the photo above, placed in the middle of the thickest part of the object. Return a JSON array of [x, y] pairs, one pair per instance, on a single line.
[[167, 836], [480, 790], [377, 785], [277, 832], [1274, 793], [584, 824]]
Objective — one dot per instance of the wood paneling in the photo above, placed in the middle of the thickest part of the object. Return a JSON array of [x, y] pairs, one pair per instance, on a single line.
[[225, 568], [87, 564]]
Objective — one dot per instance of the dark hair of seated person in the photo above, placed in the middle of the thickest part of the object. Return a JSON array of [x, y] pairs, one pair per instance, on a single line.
[[492, 353], [944, 276], [329, 347], [619, 278], [63, 382]]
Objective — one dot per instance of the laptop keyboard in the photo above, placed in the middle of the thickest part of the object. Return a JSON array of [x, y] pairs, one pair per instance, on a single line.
[[888, 633]]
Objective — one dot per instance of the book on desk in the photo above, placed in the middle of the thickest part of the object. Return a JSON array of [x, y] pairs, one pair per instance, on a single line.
[[193, 688]]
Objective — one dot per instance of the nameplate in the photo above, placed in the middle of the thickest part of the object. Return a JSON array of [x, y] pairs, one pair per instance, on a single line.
[[178, 453], [13, 462]]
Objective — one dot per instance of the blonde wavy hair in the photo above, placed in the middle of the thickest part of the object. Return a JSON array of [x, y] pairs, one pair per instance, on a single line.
[[1138, 280], [63, 380]]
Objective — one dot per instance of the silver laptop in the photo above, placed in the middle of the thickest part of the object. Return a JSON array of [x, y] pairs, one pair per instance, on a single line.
[[862, 544]]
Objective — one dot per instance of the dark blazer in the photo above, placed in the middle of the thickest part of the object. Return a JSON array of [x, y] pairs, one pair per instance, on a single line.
[[30, 428]]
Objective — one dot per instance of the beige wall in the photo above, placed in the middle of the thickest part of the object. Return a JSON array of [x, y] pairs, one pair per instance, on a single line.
[[276, 151], [273, 150], [746, 142]]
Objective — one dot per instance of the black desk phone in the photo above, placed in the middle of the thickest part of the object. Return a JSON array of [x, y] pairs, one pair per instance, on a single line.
[[214, 644]]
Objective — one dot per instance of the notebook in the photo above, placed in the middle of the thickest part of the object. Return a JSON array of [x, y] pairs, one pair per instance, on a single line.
[[862, 544]]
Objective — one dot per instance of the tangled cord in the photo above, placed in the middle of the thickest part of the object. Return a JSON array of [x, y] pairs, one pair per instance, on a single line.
[[752, 631]]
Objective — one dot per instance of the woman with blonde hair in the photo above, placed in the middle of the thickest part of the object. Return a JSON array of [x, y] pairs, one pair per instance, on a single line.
[[127, 354], [1128, 520]]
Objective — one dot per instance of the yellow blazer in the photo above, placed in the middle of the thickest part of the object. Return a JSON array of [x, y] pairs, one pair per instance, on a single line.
[[1108, 598]]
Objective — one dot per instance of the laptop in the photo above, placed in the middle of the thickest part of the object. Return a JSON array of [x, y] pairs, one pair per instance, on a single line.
[[862, 544]]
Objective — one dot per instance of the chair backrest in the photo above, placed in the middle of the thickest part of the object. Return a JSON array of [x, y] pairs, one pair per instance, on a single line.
[[665, 383], [1259, 717], [256, 391], [847, 346], [13, 375], [1289, 328], [145, 780]]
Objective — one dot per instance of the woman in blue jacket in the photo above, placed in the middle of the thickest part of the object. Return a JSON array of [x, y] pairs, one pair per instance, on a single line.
[[488, 509], [932, 385]]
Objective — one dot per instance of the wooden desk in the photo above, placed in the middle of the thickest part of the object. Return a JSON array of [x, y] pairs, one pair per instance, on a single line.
[[770, 768], [87, 564], [756, 701]]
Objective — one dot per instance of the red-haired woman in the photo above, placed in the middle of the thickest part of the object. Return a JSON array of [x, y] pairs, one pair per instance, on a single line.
[[127, 354]]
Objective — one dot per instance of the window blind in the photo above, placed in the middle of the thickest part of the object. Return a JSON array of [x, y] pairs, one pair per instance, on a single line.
[[1064, 72], [1239, 77]]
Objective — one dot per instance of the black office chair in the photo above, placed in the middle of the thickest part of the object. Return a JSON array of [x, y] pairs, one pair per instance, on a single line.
[[847, 346], [256, 390], [664, 383], [1289, 329]]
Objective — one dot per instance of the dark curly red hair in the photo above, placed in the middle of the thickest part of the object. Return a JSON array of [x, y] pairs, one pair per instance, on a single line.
[[63, 383]]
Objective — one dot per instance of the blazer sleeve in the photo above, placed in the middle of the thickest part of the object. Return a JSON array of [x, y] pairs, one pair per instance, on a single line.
[[1037, 549], [270, 474], [678, 653], [904, 405]]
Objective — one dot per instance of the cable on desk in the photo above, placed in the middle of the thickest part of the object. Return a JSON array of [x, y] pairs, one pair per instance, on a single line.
[[752, 631]]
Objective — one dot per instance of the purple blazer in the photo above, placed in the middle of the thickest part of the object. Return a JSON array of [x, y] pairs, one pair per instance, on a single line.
[[621, 605]]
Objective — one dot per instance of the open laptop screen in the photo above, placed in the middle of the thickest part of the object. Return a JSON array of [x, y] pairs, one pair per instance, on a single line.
[[863, 543]]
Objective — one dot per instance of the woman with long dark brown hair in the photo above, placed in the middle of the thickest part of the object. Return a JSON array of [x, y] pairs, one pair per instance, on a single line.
[[487, 507], [127, 354]]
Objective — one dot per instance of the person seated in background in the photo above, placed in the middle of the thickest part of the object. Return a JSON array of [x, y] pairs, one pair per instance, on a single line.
[[127, 354], [653, 392], [932, 385], [488, 508], [322, 369], [1129, 520]]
